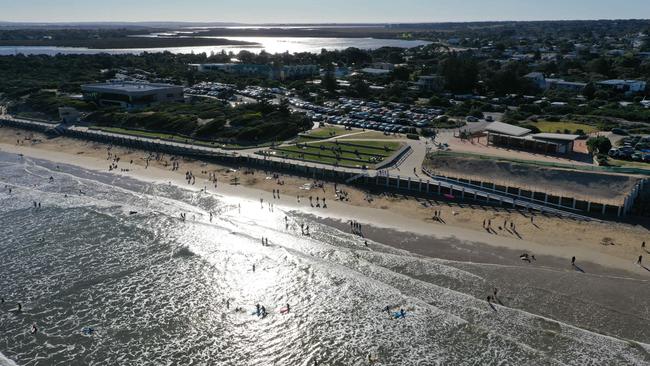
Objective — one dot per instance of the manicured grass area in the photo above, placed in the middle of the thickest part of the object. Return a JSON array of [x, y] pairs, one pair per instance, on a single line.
[[363, 153], [372, 135], [328, 132], [322, 134], [572, 127], [322, 159]]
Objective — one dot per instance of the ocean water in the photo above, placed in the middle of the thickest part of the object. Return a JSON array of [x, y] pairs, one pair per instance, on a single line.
[[268, 44], [112, 253]]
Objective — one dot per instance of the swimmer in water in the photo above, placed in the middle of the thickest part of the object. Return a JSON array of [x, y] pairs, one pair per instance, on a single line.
[[34, 329]]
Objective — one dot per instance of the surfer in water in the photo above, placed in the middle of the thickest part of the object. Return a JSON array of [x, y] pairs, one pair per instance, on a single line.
[[288, 308], [257, 307], [34, 329]]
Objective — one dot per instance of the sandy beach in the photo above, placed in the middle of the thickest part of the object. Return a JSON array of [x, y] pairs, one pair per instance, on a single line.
[[603, 244], [440, 271]]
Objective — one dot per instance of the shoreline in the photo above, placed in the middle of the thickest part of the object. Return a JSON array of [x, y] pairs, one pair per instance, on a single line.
[[403, 214]]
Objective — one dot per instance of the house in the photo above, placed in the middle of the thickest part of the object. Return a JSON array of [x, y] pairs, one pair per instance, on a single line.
[[560, 84], [373, 71], [538, 79], [383, 66]]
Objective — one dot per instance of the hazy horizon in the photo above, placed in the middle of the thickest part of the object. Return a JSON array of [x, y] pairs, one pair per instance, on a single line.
[[300, 12]]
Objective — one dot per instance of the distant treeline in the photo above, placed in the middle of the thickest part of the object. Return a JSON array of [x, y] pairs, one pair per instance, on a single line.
[[103, 39]]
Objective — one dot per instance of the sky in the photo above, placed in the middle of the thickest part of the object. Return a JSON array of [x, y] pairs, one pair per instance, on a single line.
[[312, 11]]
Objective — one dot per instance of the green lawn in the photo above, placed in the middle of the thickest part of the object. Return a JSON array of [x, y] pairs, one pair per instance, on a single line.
[[327, 132], [367, 153], [364, 147], [322, 134], [322, 160], [554, 127]]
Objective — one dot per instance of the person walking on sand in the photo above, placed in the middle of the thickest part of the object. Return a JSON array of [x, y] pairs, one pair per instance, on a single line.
[[643, 245], [573, 261], [639, 260]]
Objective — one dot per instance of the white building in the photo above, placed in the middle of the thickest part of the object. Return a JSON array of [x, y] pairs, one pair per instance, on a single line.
[[627, 86]]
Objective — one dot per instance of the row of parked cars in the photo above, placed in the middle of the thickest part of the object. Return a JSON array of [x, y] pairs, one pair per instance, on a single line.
[[391, 117], [635, 148]]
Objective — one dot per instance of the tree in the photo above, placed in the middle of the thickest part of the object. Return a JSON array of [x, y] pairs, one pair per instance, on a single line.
[[589, 91], [460, 73], [359, 87], [599, 145], [329, 80], [401, 73]]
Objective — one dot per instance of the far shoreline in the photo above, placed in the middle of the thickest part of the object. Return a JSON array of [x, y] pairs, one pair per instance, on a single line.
[[127, 43]]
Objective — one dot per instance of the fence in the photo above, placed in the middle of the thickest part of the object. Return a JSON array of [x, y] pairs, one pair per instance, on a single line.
[[441, 186]]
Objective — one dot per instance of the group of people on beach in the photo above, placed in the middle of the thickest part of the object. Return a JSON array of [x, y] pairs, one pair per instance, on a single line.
[[437, 216], [507, 225], [190, 178], [175, 165], [318, 202], [355, 228]]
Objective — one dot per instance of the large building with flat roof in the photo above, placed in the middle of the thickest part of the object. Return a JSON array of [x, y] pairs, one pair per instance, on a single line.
[[515, 137], [132, 95]]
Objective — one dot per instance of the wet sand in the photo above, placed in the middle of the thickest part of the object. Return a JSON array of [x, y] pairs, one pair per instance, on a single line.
[[602, 299]]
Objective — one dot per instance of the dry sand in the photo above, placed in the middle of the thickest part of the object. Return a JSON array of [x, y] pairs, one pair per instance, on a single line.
[[612, 245], [595, 187]]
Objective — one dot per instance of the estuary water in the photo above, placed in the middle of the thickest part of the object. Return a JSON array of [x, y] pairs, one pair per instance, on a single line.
[[112, 253], [268, 44]]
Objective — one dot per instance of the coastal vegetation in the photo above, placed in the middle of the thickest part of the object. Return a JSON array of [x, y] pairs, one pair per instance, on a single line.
[[208, 121], [104, 39]]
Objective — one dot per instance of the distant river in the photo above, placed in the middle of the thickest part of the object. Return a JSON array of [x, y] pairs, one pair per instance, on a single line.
[[269, 44]]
